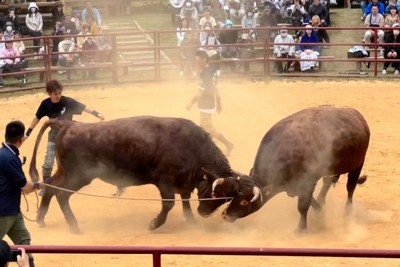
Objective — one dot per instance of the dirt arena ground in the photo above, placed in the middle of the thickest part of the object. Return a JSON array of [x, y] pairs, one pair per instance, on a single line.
[[249, 110]]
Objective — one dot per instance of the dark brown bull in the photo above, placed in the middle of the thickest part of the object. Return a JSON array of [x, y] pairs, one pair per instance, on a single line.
[[295, 153], [170, 153]]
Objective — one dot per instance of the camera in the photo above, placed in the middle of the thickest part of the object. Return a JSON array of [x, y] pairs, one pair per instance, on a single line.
[[14, 254]]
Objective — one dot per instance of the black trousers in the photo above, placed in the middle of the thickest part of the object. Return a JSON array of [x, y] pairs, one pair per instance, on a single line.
[[279, 64]]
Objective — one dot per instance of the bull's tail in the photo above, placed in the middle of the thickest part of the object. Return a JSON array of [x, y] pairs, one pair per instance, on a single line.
[[33, 173]]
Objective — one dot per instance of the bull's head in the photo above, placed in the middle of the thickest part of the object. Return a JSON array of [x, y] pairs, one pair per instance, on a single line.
[[212, 188], [249, 198]]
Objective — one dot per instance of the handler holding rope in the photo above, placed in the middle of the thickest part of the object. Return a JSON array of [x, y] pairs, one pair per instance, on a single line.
[[12, 182]]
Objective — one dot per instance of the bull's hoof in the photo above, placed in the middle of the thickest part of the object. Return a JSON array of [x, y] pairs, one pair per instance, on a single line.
[[301, 231], [361, 180], [191, 220], [41, 223], [154, 224], [74, 229]]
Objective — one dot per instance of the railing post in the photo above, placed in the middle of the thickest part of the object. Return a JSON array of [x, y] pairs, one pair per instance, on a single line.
[[156, 259], [266, 53], [47, 60], [375, 52], [157, 56], [114, 64]]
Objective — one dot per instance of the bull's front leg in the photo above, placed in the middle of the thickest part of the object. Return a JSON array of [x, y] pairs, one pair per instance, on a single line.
[[305, 193], [44, 207], [187, 209], [167, 205], [63, 201]]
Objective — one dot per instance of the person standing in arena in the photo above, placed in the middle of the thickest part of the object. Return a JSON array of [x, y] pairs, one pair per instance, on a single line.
[[56, 106], [12, 183], [208, 100]]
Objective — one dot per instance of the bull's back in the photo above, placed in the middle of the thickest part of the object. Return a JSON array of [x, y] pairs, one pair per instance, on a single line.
[[323, 141]]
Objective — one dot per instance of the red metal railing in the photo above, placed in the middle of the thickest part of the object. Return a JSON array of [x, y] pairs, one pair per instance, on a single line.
[[241, 251], [159, 44]]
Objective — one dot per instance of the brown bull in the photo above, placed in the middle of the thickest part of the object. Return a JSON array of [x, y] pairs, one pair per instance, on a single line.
[[170, 153], [294, 154]]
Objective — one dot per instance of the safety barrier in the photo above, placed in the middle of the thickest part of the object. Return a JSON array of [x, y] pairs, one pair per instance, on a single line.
[[116, 70], [157, 251]]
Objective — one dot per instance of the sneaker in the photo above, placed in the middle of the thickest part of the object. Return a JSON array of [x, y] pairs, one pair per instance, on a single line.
[[22, 81], [362, 18], [384, 72], [317, 64], [61, 72], [218, 72], [396, 72], [1, 85]]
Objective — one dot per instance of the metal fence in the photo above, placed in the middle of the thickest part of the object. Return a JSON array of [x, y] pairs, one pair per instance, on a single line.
[[162, 44], [157, 252]]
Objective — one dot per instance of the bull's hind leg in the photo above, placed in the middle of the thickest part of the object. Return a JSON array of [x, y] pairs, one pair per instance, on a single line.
[[351, 186], [44, 207], [327, 182], [63, 201], [187, 209], [167, 204]]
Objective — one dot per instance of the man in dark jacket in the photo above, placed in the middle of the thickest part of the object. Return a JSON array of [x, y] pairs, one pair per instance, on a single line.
[[321, 11]]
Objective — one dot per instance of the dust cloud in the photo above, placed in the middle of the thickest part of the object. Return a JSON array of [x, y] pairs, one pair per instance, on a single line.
[[249, 110]]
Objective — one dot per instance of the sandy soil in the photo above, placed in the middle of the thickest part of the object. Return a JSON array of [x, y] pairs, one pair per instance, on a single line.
[[250, 109]]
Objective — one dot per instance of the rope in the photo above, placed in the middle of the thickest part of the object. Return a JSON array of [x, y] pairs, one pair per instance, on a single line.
[[27, 206], [127, 198]]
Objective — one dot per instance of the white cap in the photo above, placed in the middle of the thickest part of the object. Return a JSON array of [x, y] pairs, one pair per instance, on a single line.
[[308, 26], [33, 4]]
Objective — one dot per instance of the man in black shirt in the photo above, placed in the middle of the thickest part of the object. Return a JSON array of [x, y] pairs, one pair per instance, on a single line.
[[12, 183], [56, 106]]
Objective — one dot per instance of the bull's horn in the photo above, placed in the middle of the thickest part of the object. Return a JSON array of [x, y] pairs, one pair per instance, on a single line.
[[257, 194], [218, 181]]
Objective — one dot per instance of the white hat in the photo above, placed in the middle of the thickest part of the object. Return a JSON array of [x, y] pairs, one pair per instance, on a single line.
[[308, 26], [33, 4]]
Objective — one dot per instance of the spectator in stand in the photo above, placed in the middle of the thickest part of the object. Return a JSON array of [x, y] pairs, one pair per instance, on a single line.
[[181, 32], [392, 3], [104, 43], [66, 60], [199, 5], [286, 49], [91, 11], [11, 17], [90, 57], [322, 34], [187, 54], [218, 13], [206, 30], [59, 30], [246, 51], [249, 20], [372, 21], [296, 13], [8, 32], [93, 27], [58, 12], [229, 37], [206, 21], [236, 11], [175, 8], [321, 11], [189, 12], [363, 5], [19, 44], [308, 52], [368, 10], [393, 51], [75, 19], [34, 23], [82, 36], [268, 19], [392, 17], [212, 46], [12, 61]]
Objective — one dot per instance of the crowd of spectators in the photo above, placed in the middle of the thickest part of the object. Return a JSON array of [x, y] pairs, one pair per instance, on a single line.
[[86, 23], [230, 22]]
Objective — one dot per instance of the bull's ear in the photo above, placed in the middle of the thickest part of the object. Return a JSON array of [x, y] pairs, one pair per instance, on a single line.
[[267, 190]]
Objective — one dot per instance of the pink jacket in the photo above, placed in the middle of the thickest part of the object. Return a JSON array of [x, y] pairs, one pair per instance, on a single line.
[[12, 52]]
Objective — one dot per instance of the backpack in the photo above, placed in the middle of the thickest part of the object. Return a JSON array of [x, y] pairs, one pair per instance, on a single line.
[[357, 51]]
